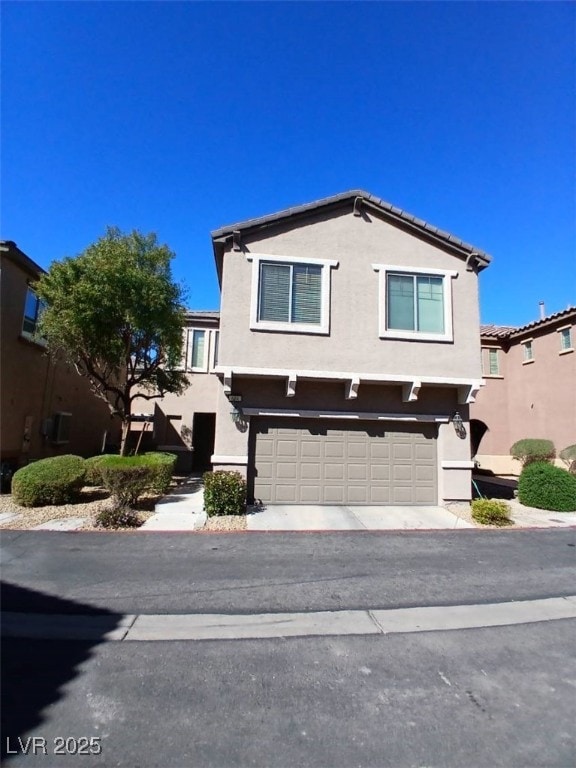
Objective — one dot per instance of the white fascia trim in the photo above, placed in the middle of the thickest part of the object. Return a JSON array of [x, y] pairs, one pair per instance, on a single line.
[[258, 325], [349, 415], [217, 459], [384, 333], [457, 465], [383, 378]]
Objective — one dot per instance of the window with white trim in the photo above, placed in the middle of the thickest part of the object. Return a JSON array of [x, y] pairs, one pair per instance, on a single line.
[[490, 361], [528, 351], [290, 294], [198, 349], [415, 303], [565, 339]]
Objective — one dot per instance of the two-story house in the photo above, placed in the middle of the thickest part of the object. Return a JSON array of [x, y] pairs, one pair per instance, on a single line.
[[46, 407], [530, 391], [349, 355]]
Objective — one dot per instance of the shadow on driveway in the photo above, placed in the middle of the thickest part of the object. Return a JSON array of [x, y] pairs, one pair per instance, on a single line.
[[34, 672]]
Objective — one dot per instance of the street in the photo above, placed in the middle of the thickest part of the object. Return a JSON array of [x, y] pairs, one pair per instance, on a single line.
[[501, 696]]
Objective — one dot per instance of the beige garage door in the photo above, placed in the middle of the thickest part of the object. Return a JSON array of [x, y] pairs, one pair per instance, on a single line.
[[315, 462]]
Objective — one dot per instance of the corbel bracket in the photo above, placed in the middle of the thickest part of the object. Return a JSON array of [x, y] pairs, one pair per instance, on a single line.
[[236, 240], [467, 394], [352, 388], [227, 379], [357, 206], [291, 385], [410, 391]]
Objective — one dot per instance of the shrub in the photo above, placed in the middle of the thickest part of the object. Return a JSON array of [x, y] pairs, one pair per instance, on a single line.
[[491, 512], [545, 486], [163, 467], [529, 450], [128, 477], [93, 473], [49, 481], [568, 456], [118, 516], [224, 493]]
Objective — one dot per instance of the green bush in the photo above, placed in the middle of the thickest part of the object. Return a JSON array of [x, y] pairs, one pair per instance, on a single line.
[[129, 477], [49, 481], [568, 456], [118, 516], [491, 512], [224, 493], [545, 486], [530, 449], [93, 474]]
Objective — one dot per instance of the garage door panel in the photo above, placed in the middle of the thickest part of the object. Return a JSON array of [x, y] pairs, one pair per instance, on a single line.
[[333, 450], [357, 472], [285, 494], [303, 462], [287, 470], [334, 472], [358, 494], [311, 471], [311, 449], [380, 472], [334, 494]]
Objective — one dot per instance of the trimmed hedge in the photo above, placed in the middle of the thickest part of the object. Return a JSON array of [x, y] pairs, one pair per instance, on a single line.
[[531, 449], [491, 512], [56, 480], [568, 455], [93, 474], [545, 486], [128, 477], [224, 493]]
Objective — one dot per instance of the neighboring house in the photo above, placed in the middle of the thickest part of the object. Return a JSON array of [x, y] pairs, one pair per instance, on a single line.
[[185, 424], [530, 391], [349, 355], [47, 408]]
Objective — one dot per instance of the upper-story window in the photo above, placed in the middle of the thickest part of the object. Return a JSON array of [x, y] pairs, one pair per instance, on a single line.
[[32, 311], [565, 339], [528, 351], [290, 294], [415, 303], [490, 361], [199, 349]]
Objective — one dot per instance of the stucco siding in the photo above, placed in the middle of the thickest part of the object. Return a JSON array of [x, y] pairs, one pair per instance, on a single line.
[[353, 344]]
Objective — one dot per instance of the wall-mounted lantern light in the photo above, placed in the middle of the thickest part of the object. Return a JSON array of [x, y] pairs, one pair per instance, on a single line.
[[235, 408], [458, 424]]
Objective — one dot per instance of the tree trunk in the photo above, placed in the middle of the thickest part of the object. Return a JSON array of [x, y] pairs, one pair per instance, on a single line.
[[124, 440]]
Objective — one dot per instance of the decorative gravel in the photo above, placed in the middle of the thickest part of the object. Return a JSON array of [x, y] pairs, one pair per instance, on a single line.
[[91, 501], [225, 523]]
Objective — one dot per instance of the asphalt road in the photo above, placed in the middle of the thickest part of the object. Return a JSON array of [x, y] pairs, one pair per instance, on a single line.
[[252, 572], [500, 696]]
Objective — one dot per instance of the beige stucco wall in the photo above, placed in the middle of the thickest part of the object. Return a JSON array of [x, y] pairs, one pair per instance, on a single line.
[[353, 344], [536, 399], [34, 387]]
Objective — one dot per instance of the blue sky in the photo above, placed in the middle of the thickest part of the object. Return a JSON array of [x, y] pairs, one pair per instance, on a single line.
[[179, 118]]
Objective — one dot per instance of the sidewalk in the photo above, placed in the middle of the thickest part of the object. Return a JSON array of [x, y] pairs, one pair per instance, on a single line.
[[181, 510]]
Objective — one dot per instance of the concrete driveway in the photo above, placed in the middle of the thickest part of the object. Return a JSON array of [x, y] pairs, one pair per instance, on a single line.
[[315, 517]]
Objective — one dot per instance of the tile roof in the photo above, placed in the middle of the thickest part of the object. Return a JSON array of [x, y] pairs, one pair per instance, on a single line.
[[395, 213], [505, 331]]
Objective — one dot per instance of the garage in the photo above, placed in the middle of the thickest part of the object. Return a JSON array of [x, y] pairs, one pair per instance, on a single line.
[[297, 461]]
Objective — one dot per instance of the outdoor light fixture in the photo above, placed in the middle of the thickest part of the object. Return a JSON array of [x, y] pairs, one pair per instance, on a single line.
[[235, 407], [459, 427], [235, 414]]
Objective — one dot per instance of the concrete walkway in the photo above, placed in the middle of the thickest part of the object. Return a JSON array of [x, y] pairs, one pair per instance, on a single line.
[[181, 510], [155, 627], [313, 517]]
